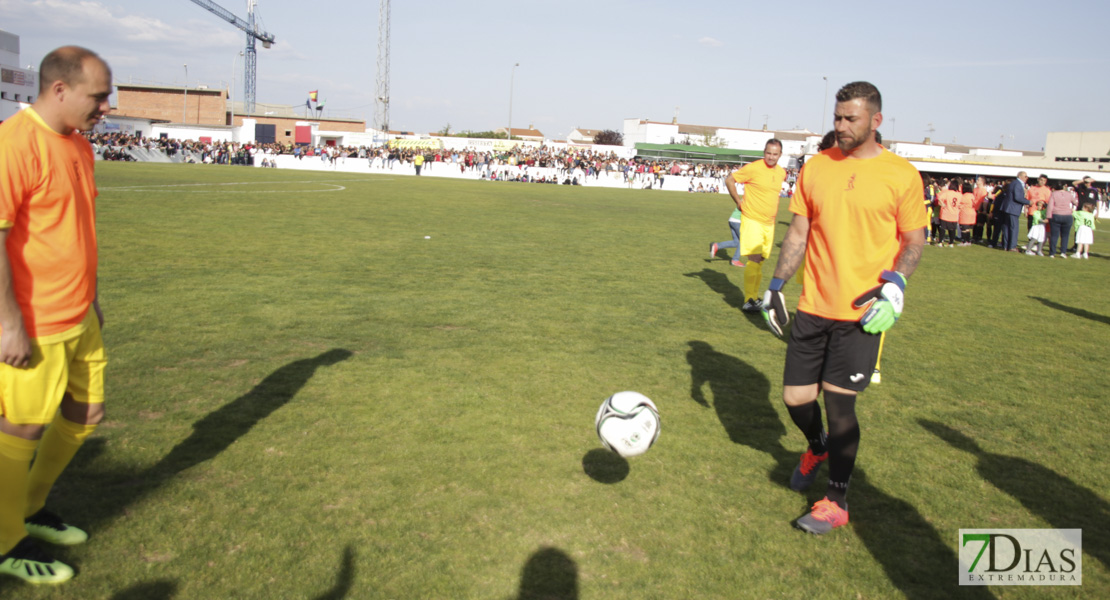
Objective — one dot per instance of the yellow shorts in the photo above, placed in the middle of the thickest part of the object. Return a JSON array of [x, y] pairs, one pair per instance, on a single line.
[[72, 361], [756, 238]]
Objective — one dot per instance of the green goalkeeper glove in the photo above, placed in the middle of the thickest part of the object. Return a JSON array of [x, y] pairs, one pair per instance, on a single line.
[[885, 301]]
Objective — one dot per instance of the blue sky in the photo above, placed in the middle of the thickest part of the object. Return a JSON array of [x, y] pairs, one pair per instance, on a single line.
[[975, 72]]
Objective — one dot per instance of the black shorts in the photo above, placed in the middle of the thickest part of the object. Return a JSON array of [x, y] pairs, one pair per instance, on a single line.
[[948, 225], [839, 352]]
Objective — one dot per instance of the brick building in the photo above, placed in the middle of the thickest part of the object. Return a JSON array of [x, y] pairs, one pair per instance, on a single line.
[[205, 106]]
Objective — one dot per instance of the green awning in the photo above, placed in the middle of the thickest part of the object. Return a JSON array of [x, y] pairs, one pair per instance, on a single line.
[[696, 153]]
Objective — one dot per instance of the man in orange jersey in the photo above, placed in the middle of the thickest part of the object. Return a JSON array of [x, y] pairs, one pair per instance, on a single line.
[[859, 226], [51, 354], [759, 205], [1036, 195]]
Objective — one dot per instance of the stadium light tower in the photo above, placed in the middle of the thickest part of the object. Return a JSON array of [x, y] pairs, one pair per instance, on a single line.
[[509, 133], [381, 98]]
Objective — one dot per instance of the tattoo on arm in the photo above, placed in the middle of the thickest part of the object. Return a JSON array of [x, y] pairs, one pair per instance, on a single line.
[[793, 250], [908, 259]]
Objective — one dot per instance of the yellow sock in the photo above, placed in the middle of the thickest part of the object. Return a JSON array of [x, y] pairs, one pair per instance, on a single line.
[[753, 276], [59, 445], [15, 457]]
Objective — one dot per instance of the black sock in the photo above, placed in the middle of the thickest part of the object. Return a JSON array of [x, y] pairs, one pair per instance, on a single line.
[[843, 444], [808, 418]]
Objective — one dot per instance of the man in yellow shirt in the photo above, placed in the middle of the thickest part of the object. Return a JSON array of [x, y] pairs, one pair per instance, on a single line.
[[859, 226], [759, 206], [51, 353]]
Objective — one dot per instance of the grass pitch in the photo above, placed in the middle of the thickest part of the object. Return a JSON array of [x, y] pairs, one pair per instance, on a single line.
[[309, 399]]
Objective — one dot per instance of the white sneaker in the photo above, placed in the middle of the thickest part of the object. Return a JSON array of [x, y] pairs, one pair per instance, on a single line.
[[1077, 255]]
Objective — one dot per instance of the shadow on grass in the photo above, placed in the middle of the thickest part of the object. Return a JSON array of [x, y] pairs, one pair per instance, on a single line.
[[165, 590], [549, 574], [605, 466], [151, 590], [718, 282], [344, 579], [1079, 312], [741, 397], [1058, 500], [732, 295], [914, 557], [211, 435]]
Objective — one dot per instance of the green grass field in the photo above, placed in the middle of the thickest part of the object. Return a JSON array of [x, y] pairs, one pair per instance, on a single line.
[[308, 399]]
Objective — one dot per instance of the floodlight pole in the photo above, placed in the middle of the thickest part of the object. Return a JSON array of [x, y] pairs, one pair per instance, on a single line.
[[185, 97], [825, 105], [509, 133]]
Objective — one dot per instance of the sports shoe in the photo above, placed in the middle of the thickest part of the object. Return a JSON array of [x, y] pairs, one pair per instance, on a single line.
[[713, 250], [1064, 255], [752, 305], [825, 516], [1077, 255], [737, 263], [1029, 252], [49, 527], [32, 564], [806, 471]]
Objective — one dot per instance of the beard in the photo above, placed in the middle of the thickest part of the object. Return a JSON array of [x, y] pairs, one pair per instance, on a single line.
[[848, 145]]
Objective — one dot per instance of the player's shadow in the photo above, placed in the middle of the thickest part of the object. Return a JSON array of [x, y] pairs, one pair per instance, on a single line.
[[1079, 312], [605, 466], [344, 579], [741, 396], [718, 282], [913, 555], [1058, 500], [549, 574], [117, 491]]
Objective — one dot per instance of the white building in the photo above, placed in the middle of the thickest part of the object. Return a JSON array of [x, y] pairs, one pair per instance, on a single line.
[[18, 87]]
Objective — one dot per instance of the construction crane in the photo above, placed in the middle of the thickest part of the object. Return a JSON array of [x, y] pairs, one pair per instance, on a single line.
[[251, 61]]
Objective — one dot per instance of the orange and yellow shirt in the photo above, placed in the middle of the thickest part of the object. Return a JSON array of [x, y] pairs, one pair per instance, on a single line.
[[762, 186], [857, 210], [48, 204], [967, 208], [949, 203]]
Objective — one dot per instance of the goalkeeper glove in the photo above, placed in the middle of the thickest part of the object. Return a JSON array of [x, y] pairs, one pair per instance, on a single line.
[[774, 308], [884, 302]]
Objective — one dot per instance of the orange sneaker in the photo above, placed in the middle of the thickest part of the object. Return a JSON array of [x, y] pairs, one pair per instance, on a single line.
[[737, 263], [806, 471], [825, 516]]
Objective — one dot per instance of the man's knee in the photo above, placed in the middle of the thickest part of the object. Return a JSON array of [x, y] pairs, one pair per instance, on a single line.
[[26, 432], [755, 258], [797, 395]]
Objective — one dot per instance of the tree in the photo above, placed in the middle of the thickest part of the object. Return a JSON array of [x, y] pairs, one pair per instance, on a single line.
[[445, 131], [609, 138]]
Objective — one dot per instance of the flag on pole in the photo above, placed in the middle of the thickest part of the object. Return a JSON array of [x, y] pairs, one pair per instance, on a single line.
[[320, 105], [312, 95], [308, 103]]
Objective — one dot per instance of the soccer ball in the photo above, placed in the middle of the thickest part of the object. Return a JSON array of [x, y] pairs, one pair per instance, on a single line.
[[627, 423]]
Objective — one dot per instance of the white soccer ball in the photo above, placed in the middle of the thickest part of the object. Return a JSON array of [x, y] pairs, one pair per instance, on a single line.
[[627, 423]]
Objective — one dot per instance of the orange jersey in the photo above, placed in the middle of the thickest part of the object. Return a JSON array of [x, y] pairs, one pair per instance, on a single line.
[[967, 209], [762, 186], [949, 202], [979, 193], [48, 204], [857, 210], [1035, 194]]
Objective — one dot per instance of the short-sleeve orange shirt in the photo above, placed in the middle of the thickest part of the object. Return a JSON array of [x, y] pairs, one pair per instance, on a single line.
[[967, 208], [762, 186], [1035, 194], [48, 204], [857, 211], [949, 203]]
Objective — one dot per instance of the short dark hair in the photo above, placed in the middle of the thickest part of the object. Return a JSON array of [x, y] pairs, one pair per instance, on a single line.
[[66, 64], [861, 90], [773, 142]]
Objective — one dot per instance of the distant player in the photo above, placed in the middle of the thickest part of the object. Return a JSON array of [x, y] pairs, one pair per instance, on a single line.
[[51, 353], [759, 205], [859, 226]]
